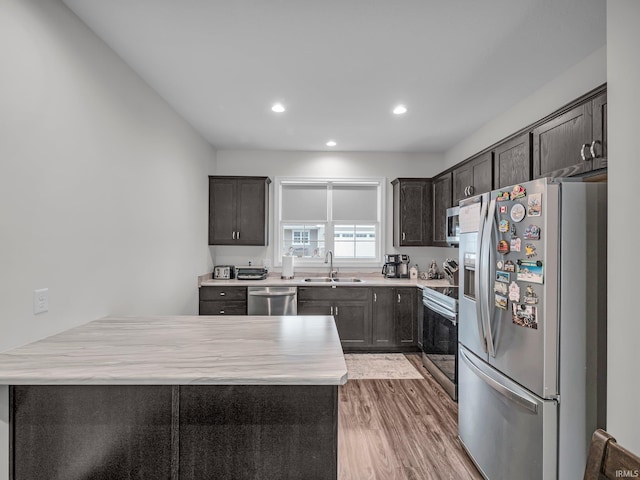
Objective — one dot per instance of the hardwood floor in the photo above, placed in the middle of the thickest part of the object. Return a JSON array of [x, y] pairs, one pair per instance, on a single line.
[[400, 429]]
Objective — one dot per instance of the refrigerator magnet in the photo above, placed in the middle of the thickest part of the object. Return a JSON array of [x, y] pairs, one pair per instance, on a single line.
[[503, 226], [509, 266], [502, 197], [534, 205], [530, 271], [503, 209], [530, 297], [518, 192], [500, 288], [530, 250], [532, 232], [517, 212], [516, 244], [514, 292], [502, 277], [524, 315], [503, 247], [501, 302], [499, 264]]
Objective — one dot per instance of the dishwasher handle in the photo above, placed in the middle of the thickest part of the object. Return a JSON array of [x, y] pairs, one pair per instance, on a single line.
[[273, 294]]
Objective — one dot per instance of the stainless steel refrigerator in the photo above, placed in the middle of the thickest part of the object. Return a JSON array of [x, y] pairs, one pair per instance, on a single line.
[[532, 327]]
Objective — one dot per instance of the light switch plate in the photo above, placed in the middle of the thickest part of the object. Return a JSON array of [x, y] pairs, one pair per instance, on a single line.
[[40, 300]]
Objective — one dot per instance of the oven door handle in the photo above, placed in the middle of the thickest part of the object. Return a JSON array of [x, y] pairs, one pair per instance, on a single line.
[[452, 317]]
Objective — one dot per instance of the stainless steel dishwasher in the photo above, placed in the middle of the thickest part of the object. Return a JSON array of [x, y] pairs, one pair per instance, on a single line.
[[272, 301]]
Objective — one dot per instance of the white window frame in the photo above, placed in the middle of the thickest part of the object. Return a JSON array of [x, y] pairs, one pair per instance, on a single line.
[[379, 182]]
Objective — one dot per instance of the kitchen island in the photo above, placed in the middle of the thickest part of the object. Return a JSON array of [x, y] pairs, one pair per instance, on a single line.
[[175, 397]]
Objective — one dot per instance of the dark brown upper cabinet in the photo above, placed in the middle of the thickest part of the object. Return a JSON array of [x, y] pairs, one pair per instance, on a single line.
[[442, 199], [599, 122], [412, 212], [572, 143], [473, 177], [512, 161], [238, 210]]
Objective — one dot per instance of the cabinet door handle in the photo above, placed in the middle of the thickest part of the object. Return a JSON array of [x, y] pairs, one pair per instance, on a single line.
[[375, 297], [466, 191], [403, 236], [233, 235], [336, 310], [331, 310], [398, 298], [584, 157], [470, 188], [221, 312], [237, 235], [592, 149], [222, 294]]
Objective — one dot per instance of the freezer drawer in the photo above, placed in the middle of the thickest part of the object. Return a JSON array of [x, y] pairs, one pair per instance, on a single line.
[[509, 432]]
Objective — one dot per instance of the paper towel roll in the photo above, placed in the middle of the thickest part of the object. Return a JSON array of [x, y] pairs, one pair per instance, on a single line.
[[287, 266]]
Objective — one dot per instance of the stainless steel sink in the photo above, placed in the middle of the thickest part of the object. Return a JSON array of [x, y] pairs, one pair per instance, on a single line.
[[330, 280]]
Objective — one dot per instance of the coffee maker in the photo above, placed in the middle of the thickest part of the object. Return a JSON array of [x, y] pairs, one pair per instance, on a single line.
[[396, 265]]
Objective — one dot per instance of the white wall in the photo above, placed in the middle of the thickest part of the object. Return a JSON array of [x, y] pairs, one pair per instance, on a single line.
[[576, 81], [103, 188], [623, 96], [328, 164]]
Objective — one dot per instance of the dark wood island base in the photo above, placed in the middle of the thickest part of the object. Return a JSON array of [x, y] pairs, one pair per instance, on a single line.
[[173, 432]]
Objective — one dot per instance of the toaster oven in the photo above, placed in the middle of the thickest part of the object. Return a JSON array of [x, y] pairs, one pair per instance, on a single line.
[[223, 272]]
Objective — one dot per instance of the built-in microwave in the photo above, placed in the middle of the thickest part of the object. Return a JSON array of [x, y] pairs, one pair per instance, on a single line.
[[453, 226]]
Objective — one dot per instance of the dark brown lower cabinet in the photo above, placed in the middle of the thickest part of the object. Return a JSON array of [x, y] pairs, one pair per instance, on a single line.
[[262, 431], [106, 432], [384, 331], [349, 306], [368, 319], [395, 318], [223, 300], [96, 432], [406, 316]]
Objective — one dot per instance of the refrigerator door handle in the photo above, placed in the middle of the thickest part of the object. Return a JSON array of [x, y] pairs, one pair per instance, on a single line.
[[477, 282], [498, 387], [485, 268]]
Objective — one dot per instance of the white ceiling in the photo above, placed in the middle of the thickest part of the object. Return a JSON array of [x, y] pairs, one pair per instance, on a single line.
[[340, 66]]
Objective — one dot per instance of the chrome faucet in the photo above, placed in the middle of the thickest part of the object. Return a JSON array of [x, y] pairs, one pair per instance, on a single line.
[[328, 257]]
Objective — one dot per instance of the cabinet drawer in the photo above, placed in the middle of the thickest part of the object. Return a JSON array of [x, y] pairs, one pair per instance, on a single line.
[[223, 308], [223, 293], [330, 293]]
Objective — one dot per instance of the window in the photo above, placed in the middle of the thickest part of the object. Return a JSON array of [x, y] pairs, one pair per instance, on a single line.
[[317, 215], [301, 237]]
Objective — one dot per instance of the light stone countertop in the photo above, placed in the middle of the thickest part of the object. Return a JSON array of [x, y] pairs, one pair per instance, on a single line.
[[298, 281], [183, 350]]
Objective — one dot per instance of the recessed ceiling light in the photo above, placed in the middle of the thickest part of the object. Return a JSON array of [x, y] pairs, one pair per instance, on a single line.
[[331, 143], [278, 108], [400, 109]]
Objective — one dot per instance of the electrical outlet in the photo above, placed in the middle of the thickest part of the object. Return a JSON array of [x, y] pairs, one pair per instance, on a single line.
[[41, 300]]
